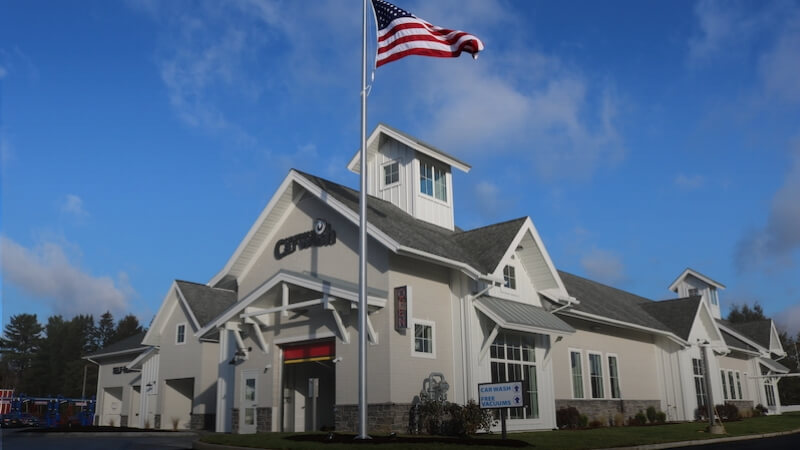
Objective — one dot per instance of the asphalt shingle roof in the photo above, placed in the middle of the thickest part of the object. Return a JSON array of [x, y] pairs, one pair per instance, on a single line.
[[206, 302], [757, 330], [129, 343], [678, 315], [481, 248], [733, 341]]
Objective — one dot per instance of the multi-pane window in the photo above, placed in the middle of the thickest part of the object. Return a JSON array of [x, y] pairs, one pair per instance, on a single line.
[[513, 358], [613, 376], [577, 374], [596, 375], [423, 338], [699, 382], [433, 181], [769, 389], [739, 386], [731, 385], [180, 335], [724, 386], [391, 173], [509, 277]]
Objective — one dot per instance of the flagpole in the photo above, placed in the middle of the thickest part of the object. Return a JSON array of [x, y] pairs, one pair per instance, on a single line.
[[362, 243]]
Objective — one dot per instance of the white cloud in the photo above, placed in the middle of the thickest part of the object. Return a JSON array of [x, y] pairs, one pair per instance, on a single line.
[[489, 201], [779, 240], [689, 182], [72, 204], [3, 72], [46, 273], [789, 320], [727, 27], [603, 266], [780, 66]]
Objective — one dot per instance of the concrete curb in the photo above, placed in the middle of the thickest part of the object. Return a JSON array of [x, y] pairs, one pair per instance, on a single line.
[[705, 441], [197, 445]]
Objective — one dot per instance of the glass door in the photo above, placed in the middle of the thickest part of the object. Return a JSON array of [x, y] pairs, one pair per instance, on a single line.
[[249, 402]]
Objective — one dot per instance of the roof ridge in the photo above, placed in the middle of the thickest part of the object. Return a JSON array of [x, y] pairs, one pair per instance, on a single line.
[[203, 285]]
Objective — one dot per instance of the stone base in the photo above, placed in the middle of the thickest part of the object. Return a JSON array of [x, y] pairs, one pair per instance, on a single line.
[[741, 404], [123, 421], [263, 420], [605, 410], [381, 418], [235, 420], [157, 420], [202, 422]]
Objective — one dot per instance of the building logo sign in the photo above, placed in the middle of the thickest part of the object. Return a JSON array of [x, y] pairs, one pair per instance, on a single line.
[[500, 395], [402, 307], [322, 234]]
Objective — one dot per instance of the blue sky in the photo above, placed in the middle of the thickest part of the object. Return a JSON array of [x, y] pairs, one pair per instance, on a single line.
[[140, 139]]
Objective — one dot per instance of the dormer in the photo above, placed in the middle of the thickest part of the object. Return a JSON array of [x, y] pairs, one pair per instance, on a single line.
[[412, 175], [692, 283]]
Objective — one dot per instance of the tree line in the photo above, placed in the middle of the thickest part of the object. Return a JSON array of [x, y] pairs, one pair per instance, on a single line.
[[46, 359]]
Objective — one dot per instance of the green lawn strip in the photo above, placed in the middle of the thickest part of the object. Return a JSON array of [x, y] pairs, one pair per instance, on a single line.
[[566, 440]]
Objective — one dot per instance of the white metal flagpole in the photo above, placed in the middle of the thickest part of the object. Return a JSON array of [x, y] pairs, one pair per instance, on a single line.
[[362, 243]]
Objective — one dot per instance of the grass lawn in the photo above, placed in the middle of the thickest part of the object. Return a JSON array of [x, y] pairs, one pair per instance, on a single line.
[[579, 439]]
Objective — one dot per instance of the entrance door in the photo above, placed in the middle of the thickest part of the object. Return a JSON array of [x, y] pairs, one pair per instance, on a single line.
[[249, 402]]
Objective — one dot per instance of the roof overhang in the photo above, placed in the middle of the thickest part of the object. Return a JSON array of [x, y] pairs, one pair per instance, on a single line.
[[740, 336], [621, 324], [139, 361], [426, 149], [773, 365], [696, 274], [523, 317], [129, 351]]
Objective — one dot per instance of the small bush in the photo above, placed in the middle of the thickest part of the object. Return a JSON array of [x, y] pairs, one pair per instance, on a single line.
[[661, 417], [728, 412], [701, 414], [583, 421], [595, 423], [651, 414], [468, 419], [619, 420], [639, 419], [431, 413], [568, 418], [759, 410]]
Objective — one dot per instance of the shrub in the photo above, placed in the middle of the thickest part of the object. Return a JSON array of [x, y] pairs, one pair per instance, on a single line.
[[759, 410], [568, 418], [661, 417], [700, 414], [467, 419], [595, 423], [728, 411], [431, 415], [619, 420], [639, 419], [583, 421], [651, 414]]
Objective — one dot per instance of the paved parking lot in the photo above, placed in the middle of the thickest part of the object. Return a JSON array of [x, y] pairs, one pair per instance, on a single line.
[[19, 440]]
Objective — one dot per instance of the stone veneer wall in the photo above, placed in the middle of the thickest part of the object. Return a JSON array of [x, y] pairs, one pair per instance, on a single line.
[[381, 418], [157, 420], [202, 422], [235, 420], [604, 410], [123, 420], [263, 420], [741, 404]]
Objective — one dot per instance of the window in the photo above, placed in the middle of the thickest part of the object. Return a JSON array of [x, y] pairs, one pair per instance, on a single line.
[[769, 389], [596, 374], [423, 339], [391, 173], [739, 386], [724, 387], [577, 374], [714, 296], [613, 376], [513, 358], [699, 382], [509, 277], [693, 292], [180, 334], [433, 181], [730, 384]]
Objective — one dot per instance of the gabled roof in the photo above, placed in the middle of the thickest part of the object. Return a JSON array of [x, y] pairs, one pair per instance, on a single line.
[[205, 303], [689, 271], [129, 345], [374, 139], [678, 315], [757, 330], [487, 245], [736, 343], [606, 301]]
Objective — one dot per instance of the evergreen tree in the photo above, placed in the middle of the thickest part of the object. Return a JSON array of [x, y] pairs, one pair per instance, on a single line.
[[19, 344], [126, 327], [105, 329], [744, 313]]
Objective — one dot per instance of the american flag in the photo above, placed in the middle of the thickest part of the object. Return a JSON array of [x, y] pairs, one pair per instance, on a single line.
[[400, 34]]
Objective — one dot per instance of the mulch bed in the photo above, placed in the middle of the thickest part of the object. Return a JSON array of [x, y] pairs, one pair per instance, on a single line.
[[337, 438]]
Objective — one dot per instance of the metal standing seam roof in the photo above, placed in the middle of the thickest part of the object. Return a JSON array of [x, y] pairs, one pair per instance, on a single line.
[[513, 314], [773, 365]]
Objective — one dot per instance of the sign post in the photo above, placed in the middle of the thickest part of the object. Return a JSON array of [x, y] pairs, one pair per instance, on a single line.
[[501, 396]]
